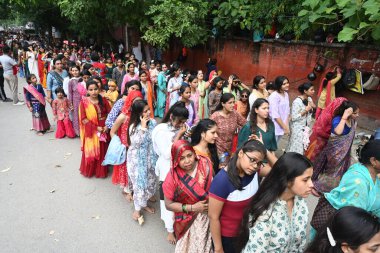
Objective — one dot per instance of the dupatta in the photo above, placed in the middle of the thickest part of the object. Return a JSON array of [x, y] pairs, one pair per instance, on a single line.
[[35, 93], [127, 110], [322, 129], [181, 187], [89, 135]]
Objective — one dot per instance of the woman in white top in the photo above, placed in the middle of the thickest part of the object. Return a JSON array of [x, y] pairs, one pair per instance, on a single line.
[[277, 217], [164, 135], [32, 62], [174, 84], [300, 124]]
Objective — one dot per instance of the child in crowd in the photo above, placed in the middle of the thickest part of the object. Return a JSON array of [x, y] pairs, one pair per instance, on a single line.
[[35, 101], [112, 94], [270, 87], [61, 108], [109, 67], [153, 72]]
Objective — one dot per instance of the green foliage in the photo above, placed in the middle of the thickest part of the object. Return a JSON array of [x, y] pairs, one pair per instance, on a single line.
[[258, 15], [97, 17], [360, 19], [168, 19], [44, 13]]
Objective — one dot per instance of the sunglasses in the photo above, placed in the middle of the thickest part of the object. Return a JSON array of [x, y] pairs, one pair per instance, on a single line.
[[244, 96]]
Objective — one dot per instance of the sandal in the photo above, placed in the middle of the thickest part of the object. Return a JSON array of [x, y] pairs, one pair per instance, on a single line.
[[141, 220], [40, 133]]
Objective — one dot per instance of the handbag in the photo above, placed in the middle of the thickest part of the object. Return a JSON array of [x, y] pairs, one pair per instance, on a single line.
[[116, 152]]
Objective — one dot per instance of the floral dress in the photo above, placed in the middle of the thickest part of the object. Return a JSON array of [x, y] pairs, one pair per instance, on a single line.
[[141, 161], [275, 231], [298, 125]]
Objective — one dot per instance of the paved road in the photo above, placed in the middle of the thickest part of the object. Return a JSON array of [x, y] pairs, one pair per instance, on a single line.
[[47, 206]]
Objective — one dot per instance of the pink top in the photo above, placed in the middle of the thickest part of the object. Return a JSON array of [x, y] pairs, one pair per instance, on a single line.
[[195, 98], [127, 78], [61, 108]]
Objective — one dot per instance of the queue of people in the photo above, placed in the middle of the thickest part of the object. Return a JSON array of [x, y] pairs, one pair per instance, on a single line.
[[211, 152]]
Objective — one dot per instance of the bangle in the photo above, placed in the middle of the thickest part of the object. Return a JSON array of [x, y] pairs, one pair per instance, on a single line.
[[191, 208], [184, 208], [344, 119]]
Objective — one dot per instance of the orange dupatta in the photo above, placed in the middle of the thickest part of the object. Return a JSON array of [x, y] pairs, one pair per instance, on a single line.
[[150, 98], [90, 144]]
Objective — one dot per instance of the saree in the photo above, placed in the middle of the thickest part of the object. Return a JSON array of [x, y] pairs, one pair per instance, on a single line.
[[333, 161], [183, 188], [322, 129], [41, 70], [93, 147], [120, 174], [89, 138]]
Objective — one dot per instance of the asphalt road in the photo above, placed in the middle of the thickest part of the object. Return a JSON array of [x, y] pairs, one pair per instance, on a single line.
[[47, 206]]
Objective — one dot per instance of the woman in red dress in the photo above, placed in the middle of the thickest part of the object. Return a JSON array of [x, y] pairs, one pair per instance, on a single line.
[[93, 112]]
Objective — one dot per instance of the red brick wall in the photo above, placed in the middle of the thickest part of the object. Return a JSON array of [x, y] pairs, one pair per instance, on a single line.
[[294, 60]]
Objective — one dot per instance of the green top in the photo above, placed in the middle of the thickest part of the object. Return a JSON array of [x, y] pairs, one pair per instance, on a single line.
[[269, 137]]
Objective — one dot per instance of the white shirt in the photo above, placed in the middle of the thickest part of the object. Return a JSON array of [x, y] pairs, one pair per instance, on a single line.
[[162, 137], [8, 64]]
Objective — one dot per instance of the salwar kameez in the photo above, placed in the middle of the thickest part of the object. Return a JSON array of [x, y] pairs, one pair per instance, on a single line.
[[75, 98], [203, 112], [159, 111], [141, 161], [298, 125]]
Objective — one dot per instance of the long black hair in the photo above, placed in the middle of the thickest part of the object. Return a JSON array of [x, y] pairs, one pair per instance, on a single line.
[[173, 68], [178, 111], [278, 82], [224, 99], [202, 127], [233, 171], [91, 82], [369, 150], [304, 87], [137, 109], [351, 225], [130, 84], [285, 170], [256, 81], [345, 105], [253, 117], [329, 76]]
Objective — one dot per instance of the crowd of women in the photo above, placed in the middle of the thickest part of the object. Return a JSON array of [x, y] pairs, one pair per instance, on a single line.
[[212, 155]]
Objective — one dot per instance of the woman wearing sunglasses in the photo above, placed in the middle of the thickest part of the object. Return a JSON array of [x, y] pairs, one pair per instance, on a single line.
[[242, 105]]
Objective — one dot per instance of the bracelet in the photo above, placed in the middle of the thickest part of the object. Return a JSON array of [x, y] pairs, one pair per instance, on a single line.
[[191, 208], [184, 208]]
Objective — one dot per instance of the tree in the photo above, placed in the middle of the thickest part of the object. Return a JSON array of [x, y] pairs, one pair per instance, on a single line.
[[359, 19], [44, 13], [97, 18], [184, 20], [258, 15]]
